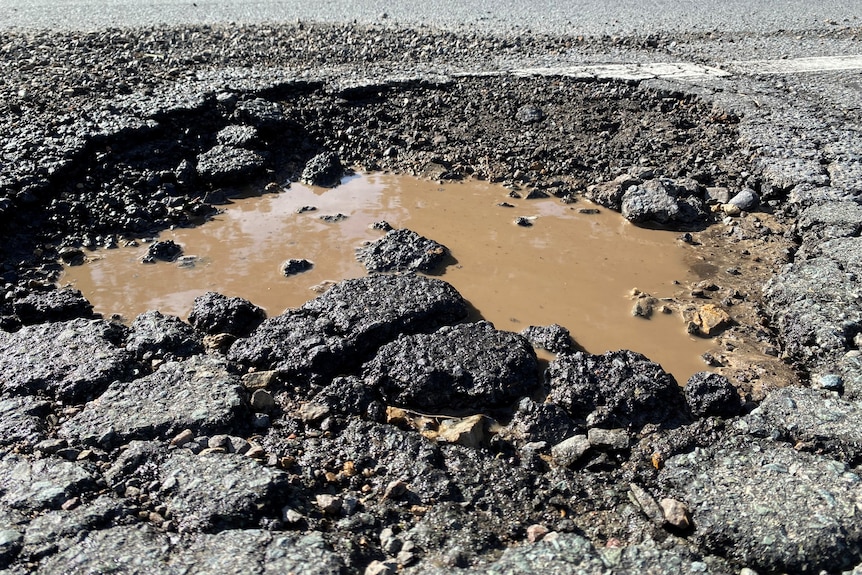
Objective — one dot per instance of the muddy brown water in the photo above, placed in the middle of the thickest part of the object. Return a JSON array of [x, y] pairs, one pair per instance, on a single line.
[[571, 268]]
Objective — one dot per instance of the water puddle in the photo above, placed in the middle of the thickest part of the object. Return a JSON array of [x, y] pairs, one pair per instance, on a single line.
[[571, 268]]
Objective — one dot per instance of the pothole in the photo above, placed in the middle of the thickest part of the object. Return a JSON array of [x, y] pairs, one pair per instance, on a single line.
[[171, 160], [575, 265]]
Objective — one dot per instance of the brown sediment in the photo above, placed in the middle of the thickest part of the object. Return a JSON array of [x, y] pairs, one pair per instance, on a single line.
[[571, 268]]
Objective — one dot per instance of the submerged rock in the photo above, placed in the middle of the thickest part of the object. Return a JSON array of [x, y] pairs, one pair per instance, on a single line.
[[164, 251], [402, 250], [467, 365], [295, 266]]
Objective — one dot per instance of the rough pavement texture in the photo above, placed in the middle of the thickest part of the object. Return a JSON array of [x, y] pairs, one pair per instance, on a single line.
[[454, 367], [153, 335], [74, 360], [617, 389], [104, 134], [342, 327], [768, 506], [199, 393]]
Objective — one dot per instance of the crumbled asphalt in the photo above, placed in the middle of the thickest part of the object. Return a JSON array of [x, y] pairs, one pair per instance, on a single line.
[[378, 427]]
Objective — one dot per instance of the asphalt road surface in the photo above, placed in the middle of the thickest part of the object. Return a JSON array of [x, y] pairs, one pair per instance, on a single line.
[[589, 17]]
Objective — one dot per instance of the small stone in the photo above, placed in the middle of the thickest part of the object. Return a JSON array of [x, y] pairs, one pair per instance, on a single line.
[[644, 307], [390, 544], [388, 567], [831, 382], [569, 451], [745, 200], [333, 218], [731, 210], [709, 319], [219, 441], [405, 558], [647, 504], [523, 222], [238, 445], [256, 452], [608, 438], [382, 226], [258, 380], [165, 251], [291, 516], [395, 489], [536, 533], [529, 114], [71, 503], [676, 513], [329, 504], [219, 342], [469, 431], [311, 412], [183, 437], [261, 400]]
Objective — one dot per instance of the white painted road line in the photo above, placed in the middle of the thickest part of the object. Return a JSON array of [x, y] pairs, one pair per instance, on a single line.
[[670, 71], [797, 65], [685, 71]]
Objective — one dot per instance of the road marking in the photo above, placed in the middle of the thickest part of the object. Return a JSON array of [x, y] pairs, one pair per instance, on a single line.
[[686, 71], [635, 72], [797, 65]]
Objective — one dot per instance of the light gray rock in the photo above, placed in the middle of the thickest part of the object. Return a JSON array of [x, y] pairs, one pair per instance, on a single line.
[[745, 200], [570, 450]]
